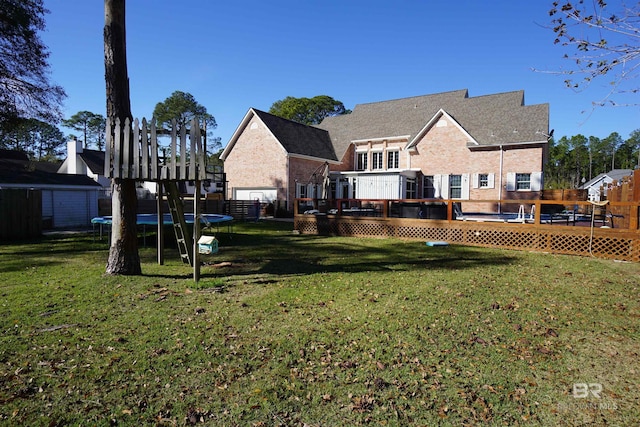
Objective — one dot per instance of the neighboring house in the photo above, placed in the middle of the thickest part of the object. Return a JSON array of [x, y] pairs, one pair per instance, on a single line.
[[81, 161], [445, 145], [597, 187], [67, 200]]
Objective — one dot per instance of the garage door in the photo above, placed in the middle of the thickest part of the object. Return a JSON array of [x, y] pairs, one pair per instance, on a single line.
[[265, 195]]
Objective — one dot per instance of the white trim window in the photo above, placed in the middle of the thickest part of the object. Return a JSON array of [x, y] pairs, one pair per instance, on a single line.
[[362, 160], [483, 180], [301, 190], [428, 187], [524, 181], [452, 186], [410, 188], [376, 160], [455, 186], [393, 159]]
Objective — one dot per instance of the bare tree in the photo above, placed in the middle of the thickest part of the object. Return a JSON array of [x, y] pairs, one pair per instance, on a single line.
[[603, 39], [123, 253]]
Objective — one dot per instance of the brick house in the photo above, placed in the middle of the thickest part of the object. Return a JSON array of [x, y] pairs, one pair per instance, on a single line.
[[445, 145]]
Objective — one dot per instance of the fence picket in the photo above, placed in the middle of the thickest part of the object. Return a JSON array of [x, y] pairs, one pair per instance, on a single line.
[[192, 150], [183, 153], [132, 151], [117, 171], [174, 137], [107, 150], [144, 147], [154, 151]]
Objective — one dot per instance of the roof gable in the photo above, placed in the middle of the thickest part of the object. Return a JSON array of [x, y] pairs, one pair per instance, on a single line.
[[94, 160], [295, 138], [433, 122]]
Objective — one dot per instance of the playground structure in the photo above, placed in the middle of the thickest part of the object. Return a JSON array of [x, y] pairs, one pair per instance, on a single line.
[[132, 152]]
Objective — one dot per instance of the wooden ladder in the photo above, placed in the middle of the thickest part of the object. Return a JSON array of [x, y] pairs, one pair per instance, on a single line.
[[176, 209]]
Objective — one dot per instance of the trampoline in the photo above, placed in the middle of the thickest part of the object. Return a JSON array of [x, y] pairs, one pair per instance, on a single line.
[[152, 219]]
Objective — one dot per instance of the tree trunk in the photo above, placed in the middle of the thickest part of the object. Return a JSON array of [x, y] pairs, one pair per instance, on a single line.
[[123, 254]]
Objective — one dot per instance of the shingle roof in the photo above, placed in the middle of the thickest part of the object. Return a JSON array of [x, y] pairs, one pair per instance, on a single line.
[[297, 138], [24, 172], [94, 160], [614, 175], [497, 119]]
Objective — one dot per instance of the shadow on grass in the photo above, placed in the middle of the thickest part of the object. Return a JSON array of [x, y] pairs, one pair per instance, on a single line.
[[300, 255], [266, 249]]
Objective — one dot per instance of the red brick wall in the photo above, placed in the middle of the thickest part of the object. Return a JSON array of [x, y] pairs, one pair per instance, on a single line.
[[443, 150], [257, 160]]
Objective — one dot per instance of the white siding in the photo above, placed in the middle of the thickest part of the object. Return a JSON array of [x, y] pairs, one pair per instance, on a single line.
[[379, 187], [263, 194]]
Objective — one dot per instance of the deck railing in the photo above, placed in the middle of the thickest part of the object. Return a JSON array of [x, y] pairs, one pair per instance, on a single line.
[[568, 227]]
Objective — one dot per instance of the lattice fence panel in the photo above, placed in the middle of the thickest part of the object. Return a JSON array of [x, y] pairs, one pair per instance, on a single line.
[[609, 247], [376, 229], [569, 244], [416, 232], [306, 227], [455, 235], [565, 240]]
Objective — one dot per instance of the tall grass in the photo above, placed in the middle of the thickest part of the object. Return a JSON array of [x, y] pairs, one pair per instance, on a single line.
[[287, 329]]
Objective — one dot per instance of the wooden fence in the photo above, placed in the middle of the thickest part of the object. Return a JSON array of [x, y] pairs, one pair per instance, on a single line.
[[20, 214], [627, 190], [132, 151], [614, 236]]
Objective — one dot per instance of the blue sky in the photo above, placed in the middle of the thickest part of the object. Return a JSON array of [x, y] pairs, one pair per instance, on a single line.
[[235, 55]]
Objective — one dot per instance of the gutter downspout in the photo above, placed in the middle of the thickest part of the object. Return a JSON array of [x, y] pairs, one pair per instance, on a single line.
[[286, 184], [501, 167]]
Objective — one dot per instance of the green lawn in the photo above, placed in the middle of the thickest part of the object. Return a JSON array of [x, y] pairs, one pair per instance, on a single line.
[[317, 331]]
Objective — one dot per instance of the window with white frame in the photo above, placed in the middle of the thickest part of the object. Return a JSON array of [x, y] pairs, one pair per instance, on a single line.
[[455, 186], [376, 160], [518, 181], [301, 191], [362, 160], [483, 180], [393, 159], [428, 189], [523, 181], [411, 188]]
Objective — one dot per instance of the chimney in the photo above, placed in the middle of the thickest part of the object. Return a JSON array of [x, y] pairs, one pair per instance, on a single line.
[[74, 149]]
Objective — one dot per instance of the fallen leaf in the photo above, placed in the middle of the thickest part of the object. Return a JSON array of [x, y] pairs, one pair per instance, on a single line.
[[551, 333]]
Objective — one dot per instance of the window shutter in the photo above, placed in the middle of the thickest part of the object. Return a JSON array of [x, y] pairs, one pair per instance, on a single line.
[[511, 181], [475, 180], [491, 179], [465, 186], [536, 181], [444, 186]]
